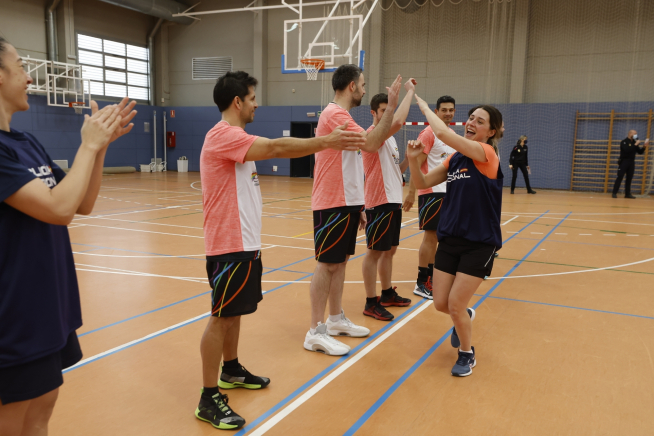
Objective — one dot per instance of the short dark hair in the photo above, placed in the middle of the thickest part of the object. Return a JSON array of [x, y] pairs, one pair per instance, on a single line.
[[344, 75], [444, 99], [3, 48], [377, 100], [232, 84]]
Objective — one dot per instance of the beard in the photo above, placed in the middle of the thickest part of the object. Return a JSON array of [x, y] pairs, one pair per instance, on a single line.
[[356, 100]]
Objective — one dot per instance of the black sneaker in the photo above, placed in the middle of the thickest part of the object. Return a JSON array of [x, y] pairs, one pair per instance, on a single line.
[[464, 364], [241, 378], [454, 338], [629, 196], [614, 195], [377, 311], [531, 192], [216, 412], [392, 299], [424, 290]]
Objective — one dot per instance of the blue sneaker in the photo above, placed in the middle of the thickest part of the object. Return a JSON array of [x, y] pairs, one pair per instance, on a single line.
[[454, 338], [464, 364]]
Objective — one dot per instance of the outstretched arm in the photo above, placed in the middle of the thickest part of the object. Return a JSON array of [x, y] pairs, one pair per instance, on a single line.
[[464, 146], [403, 110], [375, 139], [339, 139]]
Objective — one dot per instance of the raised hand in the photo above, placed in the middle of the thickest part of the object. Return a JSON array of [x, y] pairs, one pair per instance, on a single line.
[[127, 114], [341, 139], [394, 92], [424, 107], [99, 127], [414, 148], [410, 85]]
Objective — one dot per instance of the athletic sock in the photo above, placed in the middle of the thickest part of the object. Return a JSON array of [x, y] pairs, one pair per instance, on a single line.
[[335, 318], [469, 352], [423, 274], [388, 292], [210, 392], [371, 301], [231, 364], [431, 270]]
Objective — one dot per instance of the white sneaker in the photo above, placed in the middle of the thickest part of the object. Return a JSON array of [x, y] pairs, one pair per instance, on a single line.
[[345, 327], [322, 342]]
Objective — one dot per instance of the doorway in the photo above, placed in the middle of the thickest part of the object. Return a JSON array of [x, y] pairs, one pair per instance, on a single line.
[[303, 166]]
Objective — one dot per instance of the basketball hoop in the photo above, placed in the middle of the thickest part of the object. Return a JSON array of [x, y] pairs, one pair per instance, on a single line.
[[311, 66], [77, 105]]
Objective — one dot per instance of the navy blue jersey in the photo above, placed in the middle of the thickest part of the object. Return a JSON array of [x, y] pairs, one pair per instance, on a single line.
[[473, 203], [39, 296]]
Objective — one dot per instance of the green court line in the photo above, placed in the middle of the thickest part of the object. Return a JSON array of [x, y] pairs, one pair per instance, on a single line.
[[575, 266], [588, 228], [171, 216]]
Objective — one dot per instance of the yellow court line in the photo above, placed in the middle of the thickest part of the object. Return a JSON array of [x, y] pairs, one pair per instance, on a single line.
[[302, 234]]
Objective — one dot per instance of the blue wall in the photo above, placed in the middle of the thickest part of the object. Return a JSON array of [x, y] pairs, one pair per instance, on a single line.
[[550, 128]]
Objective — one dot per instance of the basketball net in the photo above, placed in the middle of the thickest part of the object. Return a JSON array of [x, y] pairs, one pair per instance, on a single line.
[[312, 66]]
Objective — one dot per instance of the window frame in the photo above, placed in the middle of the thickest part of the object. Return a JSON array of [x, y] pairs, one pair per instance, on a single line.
[[125, 71]]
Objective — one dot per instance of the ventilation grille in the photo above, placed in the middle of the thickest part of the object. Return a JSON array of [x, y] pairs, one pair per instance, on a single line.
[[211, 68]]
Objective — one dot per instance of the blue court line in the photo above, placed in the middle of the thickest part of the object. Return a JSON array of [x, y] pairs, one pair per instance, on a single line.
[[571, 307], [286, 400], [327, 370], [357, 425]]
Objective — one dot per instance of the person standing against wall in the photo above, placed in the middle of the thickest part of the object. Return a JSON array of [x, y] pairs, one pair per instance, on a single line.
[[519, 159], [627, 162]]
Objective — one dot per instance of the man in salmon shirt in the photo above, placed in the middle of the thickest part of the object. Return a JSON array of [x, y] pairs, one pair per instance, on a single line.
[[231, 200], [338, 202], [383, 192]]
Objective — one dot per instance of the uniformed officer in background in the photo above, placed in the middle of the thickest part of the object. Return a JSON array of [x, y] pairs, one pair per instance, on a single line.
[[627, 162], [518, 159]]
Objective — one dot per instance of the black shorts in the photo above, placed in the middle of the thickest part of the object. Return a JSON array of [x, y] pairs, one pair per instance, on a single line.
[[30, 380], [235, 281], [335, 233], [383, 226], [460, 255], [429, 207]]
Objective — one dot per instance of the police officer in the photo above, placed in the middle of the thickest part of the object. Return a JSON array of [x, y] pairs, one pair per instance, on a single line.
[[518, 159], [627, 162]]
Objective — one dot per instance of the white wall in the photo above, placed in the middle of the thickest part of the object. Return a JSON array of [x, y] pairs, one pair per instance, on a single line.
[[23, 24]]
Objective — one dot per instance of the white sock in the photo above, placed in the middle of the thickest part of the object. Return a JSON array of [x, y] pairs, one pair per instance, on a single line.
[[469, 352], [335, 318], [312, 331]]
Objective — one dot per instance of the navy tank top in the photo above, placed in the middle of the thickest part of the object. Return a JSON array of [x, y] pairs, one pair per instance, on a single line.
[[472, 205]]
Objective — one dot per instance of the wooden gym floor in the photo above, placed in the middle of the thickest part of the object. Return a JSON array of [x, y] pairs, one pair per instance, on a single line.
[[564, 330]]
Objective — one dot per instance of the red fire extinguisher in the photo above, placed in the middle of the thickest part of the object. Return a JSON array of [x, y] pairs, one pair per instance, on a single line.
[[170, 140]]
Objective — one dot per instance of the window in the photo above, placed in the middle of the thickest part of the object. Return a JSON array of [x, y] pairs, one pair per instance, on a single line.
[[115, 69]]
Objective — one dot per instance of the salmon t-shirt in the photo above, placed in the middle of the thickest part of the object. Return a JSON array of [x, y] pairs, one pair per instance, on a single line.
[[383, 175], [489, 168], [338, 175], [437, 151], [231, 196]]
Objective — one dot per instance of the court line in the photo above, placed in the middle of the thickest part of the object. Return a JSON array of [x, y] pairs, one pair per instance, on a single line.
[[325, 381], [140, 230], [590, 243], [572, 307], [357, 425], [506, 222], [281, 403]]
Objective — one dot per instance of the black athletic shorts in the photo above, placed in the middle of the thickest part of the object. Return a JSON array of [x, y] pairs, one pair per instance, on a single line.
[[383, 226], [235, 281], [460, 255], [335, 233], [429, 207], [30, 380]]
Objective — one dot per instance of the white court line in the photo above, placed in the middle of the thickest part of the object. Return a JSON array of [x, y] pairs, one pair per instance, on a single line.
[[340, 370], [88, 217], [609, 234], [161, 256], [506, 222], [632, 235], [536, 233], [581, 213], [585, 234], [197, 189], [560, 234], [141, 231]]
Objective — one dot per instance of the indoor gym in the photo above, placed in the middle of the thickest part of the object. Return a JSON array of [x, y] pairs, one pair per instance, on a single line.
[[565, 325]]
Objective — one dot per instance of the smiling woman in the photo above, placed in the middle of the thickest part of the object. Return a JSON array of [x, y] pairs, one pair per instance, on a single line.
[[37, 201]]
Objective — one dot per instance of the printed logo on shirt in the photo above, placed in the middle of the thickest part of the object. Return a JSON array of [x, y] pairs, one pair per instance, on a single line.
[[255, 178], [444, 155], [459, 174], [44, 173], [359, 153], [396, 155]]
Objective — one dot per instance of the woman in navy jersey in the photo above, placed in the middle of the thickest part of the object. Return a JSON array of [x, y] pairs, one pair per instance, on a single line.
[[469, 230], [39, 297]]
